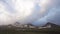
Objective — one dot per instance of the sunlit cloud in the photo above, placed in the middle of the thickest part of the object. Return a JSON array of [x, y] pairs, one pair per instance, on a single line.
[[37, 12]]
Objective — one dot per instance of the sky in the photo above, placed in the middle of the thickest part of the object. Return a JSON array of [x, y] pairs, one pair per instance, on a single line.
[[36, 12]]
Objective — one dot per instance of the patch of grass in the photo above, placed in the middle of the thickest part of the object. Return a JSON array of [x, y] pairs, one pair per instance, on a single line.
[[30, 31]]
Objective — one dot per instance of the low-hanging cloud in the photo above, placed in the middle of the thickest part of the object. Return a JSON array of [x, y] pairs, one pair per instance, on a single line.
[[37, 12], [14, 10], [53, 15]]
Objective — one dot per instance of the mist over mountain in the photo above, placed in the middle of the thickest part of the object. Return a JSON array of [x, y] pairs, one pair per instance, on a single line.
[[36, 12]]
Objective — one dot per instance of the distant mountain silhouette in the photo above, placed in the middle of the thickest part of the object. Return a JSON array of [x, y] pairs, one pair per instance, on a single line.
[[49, 24]]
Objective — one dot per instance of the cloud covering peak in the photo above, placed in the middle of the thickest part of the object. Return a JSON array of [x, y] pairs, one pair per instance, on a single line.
[[37, 12]]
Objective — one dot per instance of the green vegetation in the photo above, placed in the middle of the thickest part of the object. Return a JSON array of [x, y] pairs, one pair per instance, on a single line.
[[30, 31]]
